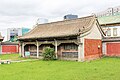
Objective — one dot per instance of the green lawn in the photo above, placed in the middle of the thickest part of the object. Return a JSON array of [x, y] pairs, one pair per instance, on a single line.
[[12, 57], [9, 56], [103, 69]]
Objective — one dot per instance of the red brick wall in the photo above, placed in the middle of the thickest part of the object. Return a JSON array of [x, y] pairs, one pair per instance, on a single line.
[[91, 49], [113, 49], [10, 49]]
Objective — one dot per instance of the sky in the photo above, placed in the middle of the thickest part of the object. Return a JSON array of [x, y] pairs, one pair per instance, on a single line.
[[24, 13]]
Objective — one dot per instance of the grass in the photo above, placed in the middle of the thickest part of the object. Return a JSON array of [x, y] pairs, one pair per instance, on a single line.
[[103, 69], [11, 57]]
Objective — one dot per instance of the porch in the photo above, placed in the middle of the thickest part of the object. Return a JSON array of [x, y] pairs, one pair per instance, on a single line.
[[65, 49]]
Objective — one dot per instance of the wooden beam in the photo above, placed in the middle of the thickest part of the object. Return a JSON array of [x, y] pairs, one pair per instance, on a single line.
[[30, 43]]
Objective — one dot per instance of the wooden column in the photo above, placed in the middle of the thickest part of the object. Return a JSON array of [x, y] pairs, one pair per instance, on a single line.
[[79, 52], [23, 52], [20, 49], [0, 48], [37, 49], [56, 49]]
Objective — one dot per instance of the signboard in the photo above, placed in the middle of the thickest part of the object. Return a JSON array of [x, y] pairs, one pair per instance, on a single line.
[[27, 53]]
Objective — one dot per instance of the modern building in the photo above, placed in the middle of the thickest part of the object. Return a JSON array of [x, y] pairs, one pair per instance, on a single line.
[[109, 12], [110, 23], [13, 33], [70, 16], [111, 27], [75, 39]]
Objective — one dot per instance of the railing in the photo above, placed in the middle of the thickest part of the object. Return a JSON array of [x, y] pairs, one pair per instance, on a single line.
[[35, 53], [70, 54]]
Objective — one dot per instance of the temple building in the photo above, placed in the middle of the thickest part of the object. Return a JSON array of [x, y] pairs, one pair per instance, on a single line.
[[76, 39]]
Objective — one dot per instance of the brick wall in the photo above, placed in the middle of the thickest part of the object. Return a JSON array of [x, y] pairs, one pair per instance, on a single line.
[[92, 48], [113, 49], [7, 49]]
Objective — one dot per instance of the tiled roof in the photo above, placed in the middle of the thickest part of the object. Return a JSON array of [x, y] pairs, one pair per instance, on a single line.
[[109, 19], [61, 28]]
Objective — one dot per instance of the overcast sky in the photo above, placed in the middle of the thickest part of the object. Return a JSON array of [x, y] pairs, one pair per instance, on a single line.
[[24, 13]]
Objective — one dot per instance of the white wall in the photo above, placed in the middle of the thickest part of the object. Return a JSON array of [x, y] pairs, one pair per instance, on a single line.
[[104, 48], [94, 33]]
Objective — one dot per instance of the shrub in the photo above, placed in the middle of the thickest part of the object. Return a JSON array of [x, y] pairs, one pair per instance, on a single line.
[[2, 62], [48, 54]]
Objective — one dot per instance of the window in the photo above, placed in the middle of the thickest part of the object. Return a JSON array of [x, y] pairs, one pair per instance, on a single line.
[[105, 31], [70, 47], [33, 47], [114, 31], [67, 47], [108, 32]]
